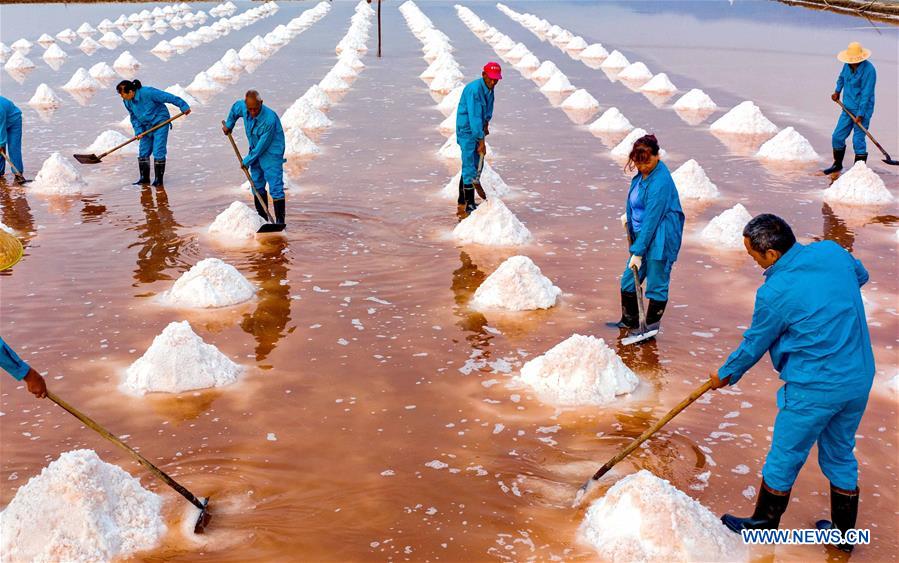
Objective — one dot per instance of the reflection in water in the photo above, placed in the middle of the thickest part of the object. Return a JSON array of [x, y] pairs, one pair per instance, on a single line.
[[157, 238], [835, 229], [268, 321], [92, 210], [466, 279], [16, 213], [643, 358], [840, 226]]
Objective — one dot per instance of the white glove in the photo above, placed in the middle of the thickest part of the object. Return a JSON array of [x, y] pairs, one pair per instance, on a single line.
[[624, 220], [635, 261]]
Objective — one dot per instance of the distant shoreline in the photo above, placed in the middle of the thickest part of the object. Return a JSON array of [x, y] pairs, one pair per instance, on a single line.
[[880, 10]]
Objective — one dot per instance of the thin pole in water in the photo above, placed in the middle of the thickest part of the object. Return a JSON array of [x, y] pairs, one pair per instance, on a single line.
[[379, 29]]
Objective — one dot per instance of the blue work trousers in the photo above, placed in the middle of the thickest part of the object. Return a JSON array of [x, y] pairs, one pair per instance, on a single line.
[[13, 145], [657, 274], [470, 159], [155, 143], [845, 125], [270, 173]]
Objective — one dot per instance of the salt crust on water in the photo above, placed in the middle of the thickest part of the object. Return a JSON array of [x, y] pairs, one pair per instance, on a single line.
[[209, 283], [615, 61], [109, 139], [517, 285], [81, 80], [580, 100], [693, 183], [726, 230], [80, 508], [492, 224], [635, 72], [695, 100], [659, 84], [744, 119], [788, 145], [558, 83], [237, 223], [581, 370], [44, 97], [178, 361], [611, 121], [491, 181], [623, 149], [858, 186], [645, 518], [298, 144], [57, 176]]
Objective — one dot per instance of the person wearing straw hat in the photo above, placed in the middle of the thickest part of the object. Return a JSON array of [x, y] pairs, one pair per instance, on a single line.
[[11, 138], [856, 83], [472, 126]]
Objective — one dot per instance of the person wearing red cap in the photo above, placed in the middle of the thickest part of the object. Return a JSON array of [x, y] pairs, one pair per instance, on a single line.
[[472, 125]]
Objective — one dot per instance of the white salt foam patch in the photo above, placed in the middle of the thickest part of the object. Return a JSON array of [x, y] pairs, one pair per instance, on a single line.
[[57, 176], [615, 61], [81, 81], [693, 183], [595, 52], [695, 100], [726, 230], [237, 223], [580, 100], [18, 61], [557, 84], [492, 224], [177, 361], [581, 370], [297, 144], [645, 518], [788, 145], [5, 52], [659, 84], [44, 97], [635, 72], [88, 510], [859, 186], [102, 71], [623, 149], [611, 121], [491, 181], [209, 283], [517, 285], [744, 119], [126, 61], [109, 139]]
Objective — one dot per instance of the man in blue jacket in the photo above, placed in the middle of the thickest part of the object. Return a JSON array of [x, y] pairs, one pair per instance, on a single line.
[[266, 157], [473, 117], [11, 138], [14, 366], [856, 82], [809, 317]]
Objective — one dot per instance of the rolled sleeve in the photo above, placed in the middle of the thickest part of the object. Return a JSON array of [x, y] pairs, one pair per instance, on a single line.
[[12, 363]]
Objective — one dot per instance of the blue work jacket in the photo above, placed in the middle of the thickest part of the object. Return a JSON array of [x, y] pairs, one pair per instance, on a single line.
[[11, 362], [858, 88], [9, 113], [475, 110], [147, 108], [809, 316], [264, 133], [662, 221]]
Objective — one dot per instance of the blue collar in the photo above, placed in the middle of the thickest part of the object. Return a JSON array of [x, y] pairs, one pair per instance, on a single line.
[[784, 260]]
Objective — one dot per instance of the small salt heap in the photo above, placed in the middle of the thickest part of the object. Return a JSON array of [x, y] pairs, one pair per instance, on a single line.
[[18, 62], [202, 83], [238, 223], [659, 84], [80, 81], [163, 48], [88, 46], [576, 45], [788, 145], [744, 119], [635, 72], [545, 71], [317, 97], [333, 83], [110, 40], [54, 53], [858, 186], [693, 183], [623, 149], [580, 100], [595, 52], [57, 176], [297, 144], [126, 61], [109, 139], [517, 285], [86, 29], [491, 181], [22, 46], [89, 510], [5, 52], [644, 518], [726, 230], [695, 100], [581, 370], [209, 283], [528, 62], [304, 115], [517, 53], [611, 121], [492, 224], [179, 361], [67, 35], [44, 97], [450, 102], [45, 40], [557, 84], [615, 61], [102, 71]]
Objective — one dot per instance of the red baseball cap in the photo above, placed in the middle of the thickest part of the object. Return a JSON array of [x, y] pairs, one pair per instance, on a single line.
[[493, 70]]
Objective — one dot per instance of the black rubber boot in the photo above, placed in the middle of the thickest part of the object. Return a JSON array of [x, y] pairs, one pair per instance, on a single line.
[[461, 199], [843, 511], [143, 165], [280, 206], [769, 507], [261, 205], [159, 170], [629, 311], [863, 157], [837, 165], [470, 205], [654, 314], [20, 180]]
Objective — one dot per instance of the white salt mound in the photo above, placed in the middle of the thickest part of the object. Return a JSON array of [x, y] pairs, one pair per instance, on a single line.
[[635, 72], [102, 71], [528, 62], [659, 84], [595, 52], [557, 84], [545, 71], [81, 81], [611, 121], [580, 100], [237, 223], [695, 100], [304, 115], [178, 361], [54, 53], [615, 61], [491, 181], [298, 144], [109, 139], [623, 149], [517, 285], [22, 46], [57, 176], [858, 186], [576, 45], [18, 61], [333, 83], [788, 145], [82, 509], [44, 97], [317, 97], [492, 224], [126, 61], [693, 183], [744, 119], [581, 370], [726, 230], [645, 518], [210, 283]]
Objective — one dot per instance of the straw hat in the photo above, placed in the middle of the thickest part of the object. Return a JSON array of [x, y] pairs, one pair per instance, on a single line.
[[853, 54], [11, 250]]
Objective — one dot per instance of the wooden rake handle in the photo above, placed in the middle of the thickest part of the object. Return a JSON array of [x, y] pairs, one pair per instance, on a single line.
[[246, 171], [136, 137], [863, 128]]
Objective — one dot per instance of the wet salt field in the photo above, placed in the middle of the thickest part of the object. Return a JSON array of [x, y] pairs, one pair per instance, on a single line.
[[379, 416]]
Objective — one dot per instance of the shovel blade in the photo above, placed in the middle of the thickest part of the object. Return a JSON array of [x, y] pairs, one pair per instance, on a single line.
[[272, 228], [87, 158], [639, 337], [891, 161], [203, 518]]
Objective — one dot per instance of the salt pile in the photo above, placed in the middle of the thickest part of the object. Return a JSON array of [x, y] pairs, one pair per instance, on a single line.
[[22, 46], [304, 115], [611, 121], [102, 71], [693, 183], [203, 83], [46, 40], [80, 509], [615, 61], [491, 181], [67, 35], [86, 29], [297, 144], [231, 60], [726, 230], [581, 370], [126, 61], [745, 119], [57, 176], [595, 52], [576, 45], [238, 223], [219, 72], [858, 186], [557, 84], [528, 62], [317, 97], [5, 52], [444, 83], [517, 285], [88, 46], [517, 52], [44, 97], [448, 126], [580, 100], [109, 139], [332, 83], [110, 40], [547, 70], [18, 61], [645, 518], [54, 53], [451, 101], [635, 72], [179, 361], [210, 283], [659, 84], [492, 224], [623, 149], [81, 80], [788, 145], [695, 100]]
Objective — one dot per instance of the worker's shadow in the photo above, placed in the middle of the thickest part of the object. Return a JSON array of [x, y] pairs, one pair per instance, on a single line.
[[466, 279], [267, 323], [159, 245]]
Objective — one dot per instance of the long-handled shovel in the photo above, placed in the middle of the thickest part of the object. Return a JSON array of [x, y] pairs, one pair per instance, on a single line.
[[645, 333], [202, 504], [271, 226], [587, 488], [15, 170], [477, 179], [888, 159], [95, 159]]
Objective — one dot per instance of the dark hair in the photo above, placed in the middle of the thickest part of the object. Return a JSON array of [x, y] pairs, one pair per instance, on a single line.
[[126, 86], [644, 147], [253, 94], [769, 232]]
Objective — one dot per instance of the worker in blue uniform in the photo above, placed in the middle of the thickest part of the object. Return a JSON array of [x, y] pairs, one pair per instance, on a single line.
[[810, 318], [21, 371], [11, 138], [147, 107], [266, 156], [473, 117], [856, 82]]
